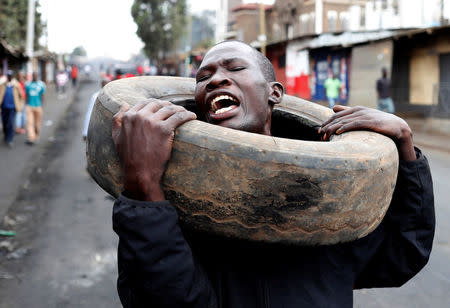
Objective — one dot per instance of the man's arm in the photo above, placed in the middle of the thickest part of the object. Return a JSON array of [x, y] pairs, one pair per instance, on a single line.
[[156, 265], [361, 118], [402, 243]]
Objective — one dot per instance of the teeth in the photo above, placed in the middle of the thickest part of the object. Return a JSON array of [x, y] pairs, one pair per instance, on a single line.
[[218, 98], [222, 110]]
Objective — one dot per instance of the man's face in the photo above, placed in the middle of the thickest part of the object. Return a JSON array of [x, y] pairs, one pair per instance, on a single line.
[[231, 90]]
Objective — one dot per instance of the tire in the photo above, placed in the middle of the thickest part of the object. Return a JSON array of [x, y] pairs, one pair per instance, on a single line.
[[255, 187]]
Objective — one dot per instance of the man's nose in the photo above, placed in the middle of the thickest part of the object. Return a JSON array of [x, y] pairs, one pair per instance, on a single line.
[[217, 80]]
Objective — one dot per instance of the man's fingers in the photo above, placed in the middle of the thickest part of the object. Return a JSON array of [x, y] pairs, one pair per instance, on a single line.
[[153, 105], [166, 112], [325, 129], [117, 118], [340, 113], [180, 118], [338, 108], [360, 124]]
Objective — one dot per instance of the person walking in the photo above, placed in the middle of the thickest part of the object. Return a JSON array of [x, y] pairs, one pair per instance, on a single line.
[[34, 91], [74, 75], [11, 100], [332, 89], [384, 102], [21, 119], [61, 80]]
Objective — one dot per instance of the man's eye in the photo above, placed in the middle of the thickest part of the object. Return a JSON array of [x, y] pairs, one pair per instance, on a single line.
[[237, 68], [202, 78]]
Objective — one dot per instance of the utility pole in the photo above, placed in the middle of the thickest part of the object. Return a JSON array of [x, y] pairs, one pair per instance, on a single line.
[[30, 37], [262, 27]]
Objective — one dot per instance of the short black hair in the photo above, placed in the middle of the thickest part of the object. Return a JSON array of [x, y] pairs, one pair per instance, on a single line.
[[263, 62]]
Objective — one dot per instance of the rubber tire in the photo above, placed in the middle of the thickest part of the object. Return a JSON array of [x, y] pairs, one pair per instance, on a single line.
[[254, 187]]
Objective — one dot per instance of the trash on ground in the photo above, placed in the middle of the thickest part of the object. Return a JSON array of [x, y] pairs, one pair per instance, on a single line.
[[7, 233]]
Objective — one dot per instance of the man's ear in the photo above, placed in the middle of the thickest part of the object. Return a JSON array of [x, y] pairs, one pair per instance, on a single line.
[[276, 92]]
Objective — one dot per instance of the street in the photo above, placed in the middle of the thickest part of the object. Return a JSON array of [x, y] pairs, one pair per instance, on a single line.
[[64, 253]]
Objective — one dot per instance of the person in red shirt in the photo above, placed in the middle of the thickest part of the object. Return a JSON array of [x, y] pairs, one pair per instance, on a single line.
[[74, 74]]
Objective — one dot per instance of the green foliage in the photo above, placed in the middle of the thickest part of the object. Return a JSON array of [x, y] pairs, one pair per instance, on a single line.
[[13, 22], [160, 24], [79, 51]]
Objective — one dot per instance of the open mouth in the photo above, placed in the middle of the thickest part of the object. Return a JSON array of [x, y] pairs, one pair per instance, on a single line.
[[223, 103]]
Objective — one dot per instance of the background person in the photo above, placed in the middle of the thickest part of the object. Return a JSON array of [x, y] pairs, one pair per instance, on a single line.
[[35, 90], [162, 265], [383, 86], [332, 90], [74, 74], [61, 81], [11, 100], [21, 116]]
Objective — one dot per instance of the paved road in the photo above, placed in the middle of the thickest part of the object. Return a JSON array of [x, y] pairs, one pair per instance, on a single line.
[[18, 161], [64, 251], [431, 287]]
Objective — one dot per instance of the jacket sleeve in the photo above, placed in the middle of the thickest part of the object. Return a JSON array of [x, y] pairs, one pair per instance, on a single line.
[[401, 245], [156, 265]]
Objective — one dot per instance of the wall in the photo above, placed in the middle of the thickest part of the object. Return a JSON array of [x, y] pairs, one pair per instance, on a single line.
[[247, 25], [277, 55], [424, 64], [424, 75], [367, 62]]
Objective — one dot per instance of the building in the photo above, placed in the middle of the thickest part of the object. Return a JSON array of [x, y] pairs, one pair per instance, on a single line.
[[417, 60], [11, 57], [294, 18], [246, 20], [224, 19]]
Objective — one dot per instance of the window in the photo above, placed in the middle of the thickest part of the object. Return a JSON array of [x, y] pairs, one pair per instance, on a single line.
[[304, 18], [344, 17], [332, 17], [289, 31]]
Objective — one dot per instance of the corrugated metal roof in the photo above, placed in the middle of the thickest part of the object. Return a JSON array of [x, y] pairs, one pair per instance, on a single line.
[[350, 38], [347, 39], [9, 49]]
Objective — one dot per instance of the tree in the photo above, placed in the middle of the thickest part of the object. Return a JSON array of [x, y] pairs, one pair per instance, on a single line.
[[13, 22], [160, 24], [79, 51]]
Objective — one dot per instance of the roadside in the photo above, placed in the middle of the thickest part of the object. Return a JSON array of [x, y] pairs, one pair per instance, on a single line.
[[426, 138], [17, 163]]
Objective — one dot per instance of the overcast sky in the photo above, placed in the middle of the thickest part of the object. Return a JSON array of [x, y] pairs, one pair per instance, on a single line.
[[102, 27]]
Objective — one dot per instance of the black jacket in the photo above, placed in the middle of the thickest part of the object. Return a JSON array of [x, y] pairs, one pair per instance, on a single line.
[[160, 266]]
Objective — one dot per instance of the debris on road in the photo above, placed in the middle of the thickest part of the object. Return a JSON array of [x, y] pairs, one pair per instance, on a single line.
[[7, 233]]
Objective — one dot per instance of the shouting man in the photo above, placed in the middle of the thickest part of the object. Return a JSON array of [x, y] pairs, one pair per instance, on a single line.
[[161, 265]]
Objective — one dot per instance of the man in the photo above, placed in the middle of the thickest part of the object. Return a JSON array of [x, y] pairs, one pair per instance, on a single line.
[[384, 102], [161, 265], [21, 119], [35, 91], [332, 89], [11, 101]]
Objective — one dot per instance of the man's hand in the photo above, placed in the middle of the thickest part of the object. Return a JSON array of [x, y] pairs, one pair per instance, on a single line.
[[361, 118], [143, 136]]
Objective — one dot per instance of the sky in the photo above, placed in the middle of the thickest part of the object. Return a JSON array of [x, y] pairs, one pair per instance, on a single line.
[[102, 27]]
